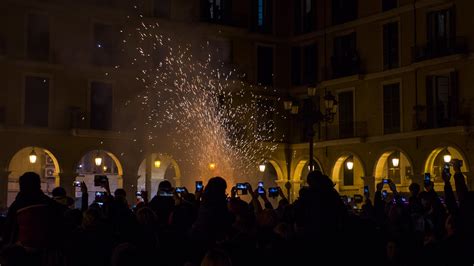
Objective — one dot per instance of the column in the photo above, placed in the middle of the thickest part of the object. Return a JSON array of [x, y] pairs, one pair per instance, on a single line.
[[4, 188], [148, 172], [370, 181], [66, 180], [130, 186]]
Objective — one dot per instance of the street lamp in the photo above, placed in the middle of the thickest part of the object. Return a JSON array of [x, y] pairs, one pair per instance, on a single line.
[[33, 157], [212, 166], [395, 162], [350, 165], [313, 116], [157, 163], [98, 159], [262, 167], [447, 158]]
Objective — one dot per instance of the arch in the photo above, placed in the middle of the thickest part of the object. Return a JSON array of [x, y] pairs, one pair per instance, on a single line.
[[337, 174], [158, 174], [47, 166], [277, 168], [400, 174], [86, 170], [434, 162], [301, 169]]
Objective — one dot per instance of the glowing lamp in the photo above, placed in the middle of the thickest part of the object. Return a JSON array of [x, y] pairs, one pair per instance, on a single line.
[[98, 160], [350, 165], [311, 91], [395, 162], [261, 167], [287, 105], [212, 166], [157, 163], [447, 158], [294, 109], [33, 157]]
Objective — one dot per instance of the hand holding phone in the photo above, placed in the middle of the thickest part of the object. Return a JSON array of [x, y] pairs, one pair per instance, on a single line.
[[199, 186], [260, 189], [76, 183]]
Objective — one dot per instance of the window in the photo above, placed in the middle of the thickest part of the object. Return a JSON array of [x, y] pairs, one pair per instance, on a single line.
[[346, 114], [345, 60], [219, 11], [101, 106], [265, 65], [36, 109], [348, 174], [37, 37], [304, 16], [3, 45], [389, 4], [105, 45], [161, 8], [344, 11], [262, 17], [441, 29], [304, 65], [390, 45], [391, 108], [442, 100]]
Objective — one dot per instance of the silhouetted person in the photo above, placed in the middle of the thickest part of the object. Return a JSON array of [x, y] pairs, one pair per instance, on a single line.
[[33, 218], [163, 203], [60, 196]]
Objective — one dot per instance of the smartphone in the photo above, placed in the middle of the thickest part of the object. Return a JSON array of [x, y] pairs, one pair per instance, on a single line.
[[138, 194], [385, 181], [260, 188], [242, 187], [100, 180], [427, 179], [76, 183], [384, 194], [165, 194], [446, 169], [99, 196], [273, 192], [180, 190], [366, 189], [199, 186]]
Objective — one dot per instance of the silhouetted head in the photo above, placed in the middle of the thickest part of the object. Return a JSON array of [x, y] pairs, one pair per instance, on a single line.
[[215, 189], [30, 182], [164, 185], [59, 192], [414, 189], [146, 216], [316, 179], [120, 193]]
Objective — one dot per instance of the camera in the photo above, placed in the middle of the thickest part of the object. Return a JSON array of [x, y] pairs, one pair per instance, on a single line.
[[427, 179], [385, 181], [260, 189], [76, 183], [242, 187], [100, 180], [273, 192], [99, 196], [366, 189], [199, 186], [180, 190], [138, 194]]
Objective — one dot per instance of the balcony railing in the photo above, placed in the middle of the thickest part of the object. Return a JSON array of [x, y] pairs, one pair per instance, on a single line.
[[342, 131], [343, 66], [439, 48]]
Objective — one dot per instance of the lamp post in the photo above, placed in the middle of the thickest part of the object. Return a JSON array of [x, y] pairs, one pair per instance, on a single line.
[[313, 116]]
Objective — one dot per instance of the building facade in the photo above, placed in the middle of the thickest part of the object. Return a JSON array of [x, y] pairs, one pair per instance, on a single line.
[[400, 71]]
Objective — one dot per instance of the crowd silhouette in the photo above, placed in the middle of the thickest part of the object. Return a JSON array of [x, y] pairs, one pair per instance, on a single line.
[[210, 227]]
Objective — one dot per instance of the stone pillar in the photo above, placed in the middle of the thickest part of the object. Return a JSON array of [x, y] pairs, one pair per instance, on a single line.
[[177, 183], [148, 172], [370, 181], [66, 180], [130, 186], [4, 188]]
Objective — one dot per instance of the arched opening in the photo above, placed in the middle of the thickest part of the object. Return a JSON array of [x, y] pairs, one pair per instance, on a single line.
[[33, 159], [347, 175], [302, 170], [162, 167], [95, 163], [394, 165], [436, 160]]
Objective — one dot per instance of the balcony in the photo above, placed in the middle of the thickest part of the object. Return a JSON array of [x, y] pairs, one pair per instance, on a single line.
[[439, 48], [342, 131], [343, 66]]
